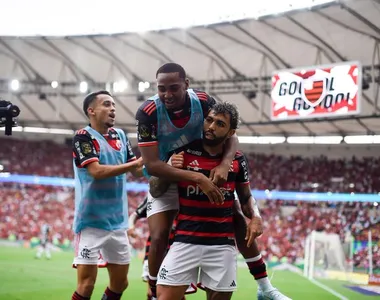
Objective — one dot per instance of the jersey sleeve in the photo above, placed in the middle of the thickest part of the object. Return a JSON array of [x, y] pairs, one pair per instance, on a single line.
[[146, 123], [84, 151], [243, 174], [207, 102]]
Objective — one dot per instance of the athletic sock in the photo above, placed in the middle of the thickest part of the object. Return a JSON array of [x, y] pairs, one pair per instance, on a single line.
[[258, 270], [76, 296], [109, 295]]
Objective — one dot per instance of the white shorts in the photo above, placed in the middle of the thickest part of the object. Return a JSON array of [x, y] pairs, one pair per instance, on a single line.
[[215, 266], [145, 277], [167, 201], [112, 245]]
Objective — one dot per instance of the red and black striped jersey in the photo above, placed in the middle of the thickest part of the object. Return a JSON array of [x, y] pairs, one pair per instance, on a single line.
[[146, 117], [199, 221], [86, 148]]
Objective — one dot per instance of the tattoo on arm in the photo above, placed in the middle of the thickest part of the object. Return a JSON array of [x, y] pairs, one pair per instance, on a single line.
[[158, 186]]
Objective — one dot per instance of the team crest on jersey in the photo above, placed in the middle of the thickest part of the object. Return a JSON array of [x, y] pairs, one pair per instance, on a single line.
[[86, 148], [144, 131]]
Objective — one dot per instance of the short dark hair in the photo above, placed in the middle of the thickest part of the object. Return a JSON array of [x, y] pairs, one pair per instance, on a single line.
[[172, 68], [227, 108], [91, 97]]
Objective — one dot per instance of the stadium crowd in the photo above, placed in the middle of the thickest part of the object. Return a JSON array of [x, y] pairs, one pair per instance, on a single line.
[[23, 208], [272, 172]]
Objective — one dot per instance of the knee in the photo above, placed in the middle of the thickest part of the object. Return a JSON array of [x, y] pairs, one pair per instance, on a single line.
[[119, 286], [85, 288], [123, 285], [160, 236]]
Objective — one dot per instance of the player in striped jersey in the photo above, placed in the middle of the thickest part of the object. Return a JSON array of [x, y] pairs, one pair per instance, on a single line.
[[208, 228], [204, 241]]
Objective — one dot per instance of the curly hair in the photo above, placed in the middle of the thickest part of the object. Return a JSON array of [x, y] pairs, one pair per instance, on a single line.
[[227, 108]]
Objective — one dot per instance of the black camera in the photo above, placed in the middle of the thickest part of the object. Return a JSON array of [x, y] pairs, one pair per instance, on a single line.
[[8, 116]]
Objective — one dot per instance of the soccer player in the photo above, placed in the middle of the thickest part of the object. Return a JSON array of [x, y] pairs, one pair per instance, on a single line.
[[45, 238], [204, 241], [102, 157], [169, 120]]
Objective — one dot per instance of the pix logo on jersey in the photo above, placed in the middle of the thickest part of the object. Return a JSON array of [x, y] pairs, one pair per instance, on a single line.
[[316, 91]]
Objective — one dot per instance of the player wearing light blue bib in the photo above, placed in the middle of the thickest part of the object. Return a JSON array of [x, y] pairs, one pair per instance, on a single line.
[[171, 119], [102, 157]]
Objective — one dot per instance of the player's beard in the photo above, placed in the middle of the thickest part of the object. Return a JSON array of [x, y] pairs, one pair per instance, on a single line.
[[215, 141]]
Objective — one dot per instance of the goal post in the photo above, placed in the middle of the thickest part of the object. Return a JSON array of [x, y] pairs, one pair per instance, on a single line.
[[324, 254]]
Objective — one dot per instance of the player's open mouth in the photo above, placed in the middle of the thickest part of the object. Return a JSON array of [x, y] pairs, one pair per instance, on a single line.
[[112, 116], [209, 135], [169, 101]]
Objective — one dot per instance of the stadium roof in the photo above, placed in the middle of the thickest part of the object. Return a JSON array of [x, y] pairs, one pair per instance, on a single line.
[[233, 60]]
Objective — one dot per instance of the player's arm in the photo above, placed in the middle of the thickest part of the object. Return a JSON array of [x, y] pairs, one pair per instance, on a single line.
[[220, 173], [159, 185], [232, 145], [158, 168], [243, 189], [148, 145], [247, 202], [86, 156]]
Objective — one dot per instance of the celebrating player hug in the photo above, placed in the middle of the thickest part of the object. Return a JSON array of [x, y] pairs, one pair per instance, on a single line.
[[173, 119]]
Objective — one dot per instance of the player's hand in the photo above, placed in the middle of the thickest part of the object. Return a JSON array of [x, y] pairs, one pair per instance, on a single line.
[[211, 190], [177, 160], [139, 163], [254, 230], [219, 174], [131, 233]]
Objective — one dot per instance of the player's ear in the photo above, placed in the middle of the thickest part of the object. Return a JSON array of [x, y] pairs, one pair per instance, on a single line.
[[231, 133], [90, 111], [187, 83]]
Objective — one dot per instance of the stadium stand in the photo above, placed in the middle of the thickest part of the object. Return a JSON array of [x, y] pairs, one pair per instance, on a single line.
[[287, 223]]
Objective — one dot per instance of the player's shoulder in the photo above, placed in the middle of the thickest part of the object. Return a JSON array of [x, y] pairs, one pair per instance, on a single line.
[[194, 148], [148, 107], [239, 155], [82, 134], [203, 96]]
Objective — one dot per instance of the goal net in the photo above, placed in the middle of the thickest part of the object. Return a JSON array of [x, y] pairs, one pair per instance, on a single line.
[[324, 256]]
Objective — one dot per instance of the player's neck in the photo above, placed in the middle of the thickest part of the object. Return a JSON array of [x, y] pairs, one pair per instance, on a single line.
[[101, 128], [214, 150]]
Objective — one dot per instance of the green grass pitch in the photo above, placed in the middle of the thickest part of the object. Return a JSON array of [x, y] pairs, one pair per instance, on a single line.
[[22, 277]]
